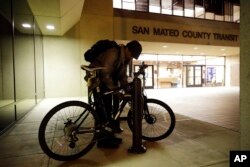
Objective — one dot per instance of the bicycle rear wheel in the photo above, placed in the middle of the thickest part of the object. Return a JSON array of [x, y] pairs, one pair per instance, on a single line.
[[158, 120], [67, 132]]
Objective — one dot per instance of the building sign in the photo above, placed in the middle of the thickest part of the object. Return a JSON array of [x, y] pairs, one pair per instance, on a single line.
[[156, 31]]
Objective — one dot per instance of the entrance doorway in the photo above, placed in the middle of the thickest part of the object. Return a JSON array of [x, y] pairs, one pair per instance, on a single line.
[[194, 75], [149, 74], [175, 71]]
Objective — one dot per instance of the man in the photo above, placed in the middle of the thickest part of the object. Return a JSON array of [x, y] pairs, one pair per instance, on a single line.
[[115, 61]]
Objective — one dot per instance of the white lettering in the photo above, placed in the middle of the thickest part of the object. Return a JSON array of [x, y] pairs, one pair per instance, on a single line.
[[240, 158]]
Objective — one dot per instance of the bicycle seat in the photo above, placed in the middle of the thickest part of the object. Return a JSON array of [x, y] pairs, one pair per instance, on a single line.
[[91, 69]]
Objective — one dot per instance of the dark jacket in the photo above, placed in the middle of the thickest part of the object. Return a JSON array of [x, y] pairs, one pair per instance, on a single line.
[[115, 67]]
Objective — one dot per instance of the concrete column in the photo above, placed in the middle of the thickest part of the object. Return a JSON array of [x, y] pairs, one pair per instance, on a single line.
[[245, 75]]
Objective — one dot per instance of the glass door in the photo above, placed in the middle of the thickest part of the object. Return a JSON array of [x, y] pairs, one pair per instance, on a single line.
[[149, 75], [194, 76]]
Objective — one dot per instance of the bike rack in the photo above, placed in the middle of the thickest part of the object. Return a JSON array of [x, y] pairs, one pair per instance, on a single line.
[[137, 107]]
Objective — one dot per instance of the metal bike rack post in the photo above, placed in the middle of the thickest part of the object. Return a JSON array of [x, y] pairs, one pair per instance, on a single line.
[[137, 107]]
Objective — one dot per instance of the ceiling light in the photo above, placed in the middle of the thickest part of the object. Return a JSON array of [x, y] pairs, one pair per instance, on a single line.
[[222, 49], [164, 46], [195, 48], [50, 27], [26, 25]]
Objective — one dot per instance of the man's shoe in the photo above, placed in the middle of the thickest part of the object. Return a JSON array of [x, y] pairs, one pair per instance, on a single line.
[[117, 130], [107, 144], [116, 140], [109, 137], [115, 126]]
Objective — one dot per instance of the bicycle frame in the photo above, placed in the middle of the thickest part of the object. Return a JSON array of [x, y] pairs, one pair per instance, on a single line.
[[95, 96], [69, 119]]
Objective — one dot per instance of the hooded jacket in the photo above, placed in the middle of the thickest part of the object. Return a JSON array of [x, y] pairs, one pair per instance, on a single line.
[[115, 64]]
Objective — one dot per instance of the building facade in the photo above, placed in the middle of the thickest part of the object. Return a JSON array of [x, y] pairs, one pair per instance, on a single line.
[[187, 43]]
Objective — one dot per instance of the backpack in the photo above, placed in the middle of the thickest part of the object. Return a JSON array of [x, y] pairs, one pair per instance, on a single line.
[[99, 47]]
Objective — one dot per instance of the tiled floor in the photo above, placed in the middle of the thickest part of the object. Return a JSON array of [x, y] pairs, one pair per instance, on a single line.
[[207, 129]]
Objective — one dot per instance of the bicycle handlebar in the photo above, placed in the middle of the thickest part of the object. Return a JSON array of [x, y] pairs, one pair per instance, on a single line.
[[125, 87], [141, 70]]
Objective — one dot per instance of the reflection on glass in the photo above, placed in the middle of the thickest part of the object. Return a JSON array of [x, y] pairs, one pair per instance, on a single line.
[[24, 58], [21, 64], [7, 112], [39, 64]]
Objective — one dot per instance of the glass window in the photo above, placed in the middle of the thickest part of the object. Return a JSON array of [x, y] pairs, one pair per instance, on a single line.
[[117, 4], [178, 7], [236, 13], [166, 7], [7, 110], [199, 12], [128, 4], [199, 9], [215, 75], [209, 16], [215, 70], [142, 5], [154, 6], [24, 57], [227, 11], [189, 8], [218, 10], [21, 64], [223, 10], [39, 64]]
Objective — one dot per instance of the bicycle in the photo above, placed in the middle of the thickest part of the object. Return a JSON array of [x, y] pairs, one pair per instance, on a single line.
[[71, 129]]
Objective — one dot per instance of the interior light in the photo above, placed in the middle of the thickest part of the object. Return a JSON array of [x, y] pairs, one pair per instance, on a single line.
[[222, 49], [50, 27], [164, 46], [195, 48], [26, 25]]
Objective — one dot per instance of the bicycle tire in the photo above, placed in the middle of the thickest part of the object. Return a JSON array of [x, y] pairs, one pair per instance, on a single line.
[[159, 125], [56, 129]]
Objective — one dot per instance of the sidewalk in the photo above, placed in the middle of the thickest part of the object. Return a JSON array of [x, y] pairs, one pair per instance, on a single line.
[[194, 143]]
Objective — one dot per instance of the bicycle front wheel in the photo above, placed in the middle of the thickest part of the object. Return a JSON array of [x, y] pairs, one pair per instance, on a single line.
[[158, 120], [67, 132]]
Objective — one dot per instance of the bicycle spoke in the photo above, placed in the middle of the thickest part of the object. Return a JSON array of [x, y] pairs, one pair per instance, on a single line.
[[68, 131]]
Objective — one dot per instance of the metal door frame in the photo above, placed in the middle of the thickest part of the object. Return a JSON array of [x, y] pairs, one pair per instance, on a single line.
[[194, 76]]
